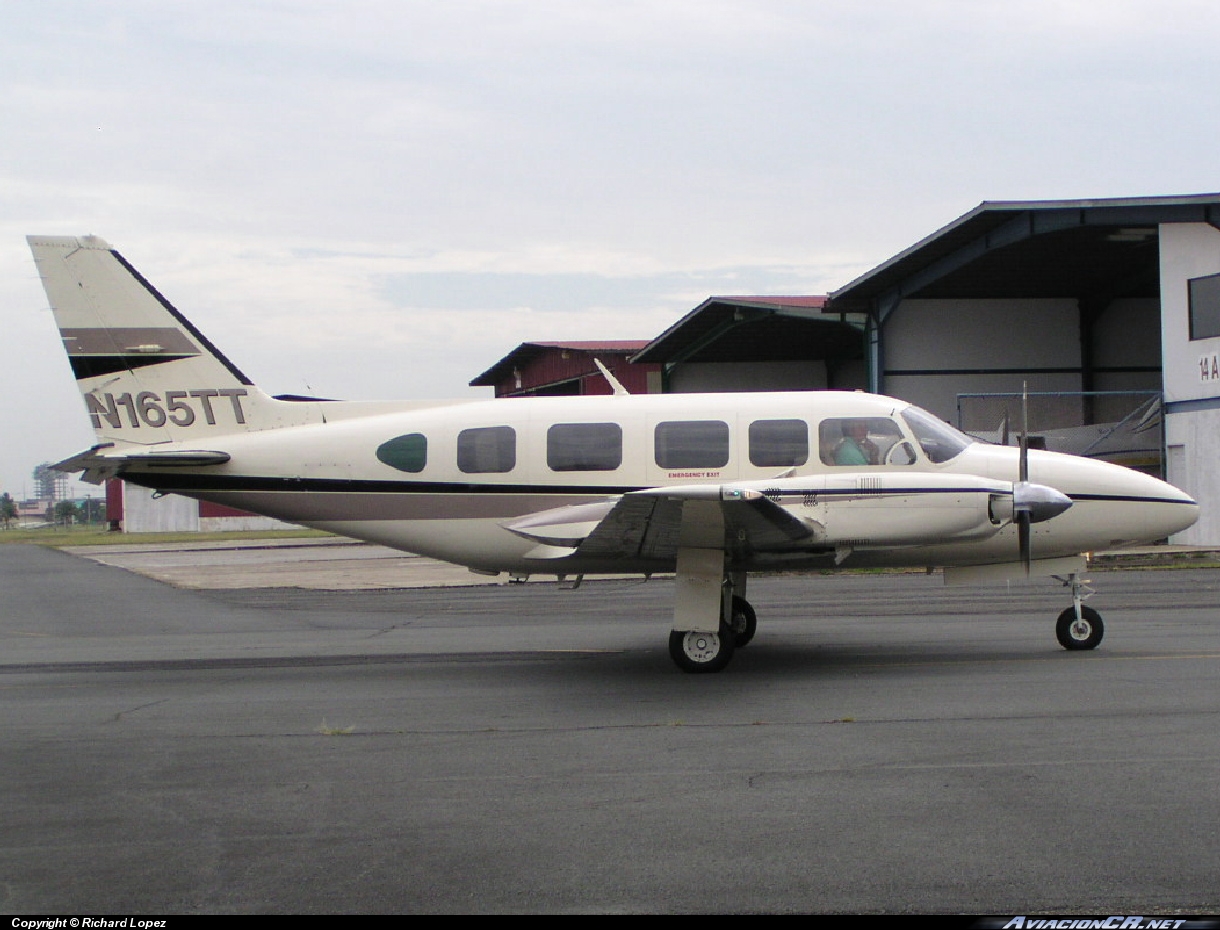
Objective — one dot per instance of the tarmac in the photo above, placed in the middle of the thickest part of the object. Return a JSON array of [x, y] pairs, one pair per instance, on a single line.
[[291, 730], [332, 564], [341, 564]]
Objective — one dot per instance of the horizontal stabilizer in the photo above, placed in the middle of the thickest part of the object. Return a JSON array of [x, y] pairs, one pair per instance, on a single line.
[[98, 465]]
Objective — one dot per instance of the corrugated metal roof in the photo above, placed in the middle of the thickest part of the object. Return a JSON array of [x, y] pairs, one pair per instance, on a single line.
[[604, 345], [527, 352], [753, 328], [773, 302], [1041, 248]]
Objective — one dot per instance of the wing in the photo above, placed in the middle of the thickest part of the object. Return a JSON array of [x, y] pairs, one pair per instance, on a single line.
[[648, 524]]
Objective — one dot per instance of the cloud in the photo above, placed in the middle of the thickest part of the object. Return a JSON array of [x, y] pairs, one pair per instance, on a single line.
[[386, 197]]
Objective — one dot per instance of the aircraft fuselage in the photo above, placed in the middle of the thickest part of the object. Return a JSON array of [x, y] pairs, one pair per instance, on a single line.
[[445, 481]]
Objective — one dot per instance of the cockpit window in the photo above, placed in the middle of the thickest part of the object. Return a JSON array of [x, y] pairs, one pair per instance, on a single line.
[[860, 442], [940, 441]]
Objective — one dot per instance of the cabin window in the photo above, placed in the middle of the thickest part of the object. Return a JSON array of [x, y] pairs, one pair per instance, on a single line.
[[406, 453], [779, 443], [584, 447], [861, 442], [692, 444], [487, 449]]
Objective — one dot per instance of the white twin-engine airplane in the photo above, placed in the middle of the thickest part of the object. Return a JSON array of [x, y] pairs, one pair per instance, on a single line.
[[709, 486]]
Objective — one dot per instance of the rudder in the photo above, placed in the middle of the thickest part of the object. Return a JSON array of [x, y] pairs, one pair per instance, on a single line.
[[147, 374]]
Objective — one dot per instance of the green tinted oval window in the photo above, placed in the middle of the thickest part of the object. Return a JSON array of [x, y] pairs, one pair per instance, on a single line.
[[406, 453]]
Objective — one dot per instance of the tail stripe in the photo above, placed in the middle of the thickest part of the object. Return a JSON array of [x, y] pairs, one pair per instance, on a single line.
[[183, 321]]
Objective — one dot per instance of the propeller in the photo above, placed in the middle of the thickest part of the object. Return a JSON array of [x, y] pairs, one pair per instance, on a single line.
[[1031, 503], [1021, 508]]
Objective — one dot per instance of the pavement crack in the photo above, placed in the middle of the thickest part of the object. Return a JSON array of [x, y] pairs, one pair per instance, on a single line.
[[118, 717]]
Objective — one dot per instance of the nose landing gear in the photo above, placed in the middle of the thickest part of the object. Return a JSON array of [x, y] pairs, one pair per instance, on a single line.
[[1083, 632], [1078, 627]]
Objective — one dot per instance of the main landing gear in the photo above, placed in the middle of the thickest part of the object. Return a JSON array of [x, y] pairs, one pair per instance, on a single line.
[[701, 651], [708, 597], [1078, 627], [712, 618]]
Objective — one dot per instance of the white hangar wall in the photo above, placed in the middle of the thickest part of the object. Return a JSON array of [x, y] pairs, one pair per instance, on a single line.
[[1127, 335], [712, 377], [936, 349], [1192, 396]]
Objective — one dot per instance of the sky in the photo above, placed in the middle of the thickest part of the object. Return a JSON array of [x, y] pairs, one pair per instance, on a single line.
[[381, 198]]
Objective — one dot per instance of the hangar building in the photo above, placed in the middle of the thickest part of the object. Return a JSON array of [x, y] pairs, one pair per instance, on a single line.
[[1093, 302], [541, 369], [760, 344], [1108, 310]]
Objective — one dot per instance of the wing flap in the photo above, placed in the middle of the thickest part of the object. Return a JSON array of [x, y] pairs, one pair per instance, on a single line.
[[647, 524]]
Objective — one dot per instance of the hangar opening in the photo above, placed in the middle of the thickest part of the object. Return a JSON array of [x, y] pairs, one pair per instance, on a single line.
[[1106, 311], [1077, 299], [761, 344], [1061, 296]]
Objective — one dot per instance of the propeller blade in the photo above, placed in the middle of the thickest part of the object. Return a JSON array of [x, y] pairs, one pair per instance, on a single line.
[[1024, 460], [1022, 511], [1023, 545]]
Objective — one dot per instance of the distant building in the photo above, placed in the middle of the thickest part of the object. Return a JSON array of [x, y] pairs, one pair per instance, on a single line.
[[540, 369], [1107, 311], [760, 343], [135, 509], [34, 511]]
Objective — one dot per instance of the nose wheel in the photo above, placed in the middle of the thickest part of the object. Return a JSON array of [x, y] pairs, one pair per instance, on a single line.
[[1078, 627], [1083, 632]]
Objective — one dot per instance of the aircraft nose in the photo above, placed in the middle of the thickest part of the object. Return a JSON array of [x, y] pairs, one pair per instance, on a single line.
[[1164, 509], [1113, 505], [1185, 512]]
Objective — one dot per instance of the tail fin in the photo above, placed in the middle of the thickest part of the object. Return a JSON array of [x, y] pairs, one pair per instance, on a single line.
[[147, 374]]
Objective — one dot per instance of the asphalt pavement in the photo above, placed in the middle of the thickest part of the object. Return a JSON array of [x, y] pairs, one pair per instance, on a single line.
[[886, 745]]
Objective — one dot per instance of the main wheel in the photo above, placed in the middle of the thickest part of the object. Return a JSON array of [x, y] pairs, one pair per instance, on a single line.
[[1083, 633], [744, 622], [698, 651]]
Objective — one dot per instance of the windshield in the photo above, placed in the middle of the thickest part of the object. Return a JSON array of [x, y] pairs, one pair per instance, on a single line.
[[940, 441]]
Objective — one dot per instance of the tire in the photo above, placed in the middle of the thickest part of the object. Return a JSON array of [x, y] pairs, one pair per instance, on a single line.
[[744, 623], [1085, 634], [698, 652]]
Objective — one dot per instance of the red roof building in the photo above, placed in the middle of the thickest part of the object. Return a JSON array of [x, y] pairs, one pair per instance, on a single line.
[[538, 369]]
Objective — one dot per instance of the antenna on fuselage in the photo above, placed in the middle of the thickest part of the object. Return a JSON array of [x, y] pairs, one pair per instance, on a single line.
[[614, 382]]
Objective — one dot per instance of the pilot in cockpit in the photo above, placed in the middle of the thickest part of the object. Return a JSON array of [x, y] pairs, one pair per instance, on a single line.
[[856, 448]]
